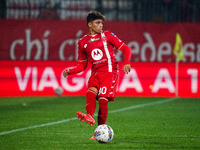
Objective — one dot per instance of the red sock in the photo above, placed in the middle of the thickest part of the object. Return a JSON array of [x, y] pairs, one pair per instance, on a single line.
[[91, 102], [103, 110]]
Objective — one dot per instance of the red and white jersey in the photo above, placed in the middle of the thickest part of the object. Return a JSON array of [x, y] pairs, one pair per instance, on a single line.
[[98, 49]]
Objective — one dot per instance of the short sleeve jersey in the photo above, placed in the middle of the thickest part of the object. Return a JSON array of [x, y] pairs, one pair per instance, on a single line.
[[98, 49]]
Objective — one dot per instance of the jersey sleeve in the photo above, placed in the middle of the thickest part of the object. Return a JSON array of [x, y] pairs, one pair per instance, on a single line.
[[118, 44], [127, 53], [82, 56], [114, 40], [82, 61]]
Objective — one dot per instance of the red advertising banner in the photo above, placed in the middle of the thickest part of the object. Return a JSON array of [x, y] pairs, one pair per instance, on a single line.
[[40, 78], [57, 40]]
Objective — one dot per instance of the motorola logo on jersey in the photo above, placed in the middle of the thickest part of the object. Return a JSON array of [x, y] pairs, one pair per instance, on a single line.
[[97, 54]]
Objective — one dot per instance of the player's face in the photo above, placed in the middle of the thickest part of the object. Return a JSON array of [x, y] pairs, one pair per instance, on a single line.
[[95, 26]]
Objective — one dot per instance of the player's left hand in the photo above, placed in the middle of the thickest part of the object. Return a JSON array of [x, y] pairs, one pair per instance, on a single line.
[[127, 68]]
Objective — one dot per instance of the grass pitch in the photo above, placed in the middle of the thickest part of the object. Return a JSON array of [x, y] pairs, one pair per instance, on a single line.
[[39, 123]]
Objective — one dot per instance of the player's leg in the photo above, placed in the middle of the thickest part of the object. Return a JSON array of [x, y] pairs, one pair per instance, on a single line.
[[109, 82], [91, 96], [103, 110], [108, 86], [90, 106]]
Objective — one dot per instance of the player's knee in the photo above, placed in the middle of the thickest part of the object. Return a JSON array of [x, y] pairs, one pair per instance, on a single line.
[[93, 89]]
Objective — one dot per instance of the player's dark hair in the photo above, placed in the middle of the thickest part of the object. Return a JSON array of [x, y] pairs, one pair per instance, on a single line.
[[94, 15]]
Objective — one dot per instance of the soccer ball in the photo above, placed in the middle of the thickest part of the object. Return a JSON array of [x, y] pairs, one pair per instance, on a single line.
[[58, 91], [103, 133]]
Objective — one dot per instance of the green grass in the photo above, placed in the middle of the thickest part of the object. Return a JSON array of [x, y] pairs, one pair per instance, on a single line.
[[172, 125]]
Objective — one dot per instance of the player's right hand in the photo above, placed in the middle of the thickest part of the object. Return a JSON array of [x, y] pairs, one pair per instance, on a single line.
[[65, 73]]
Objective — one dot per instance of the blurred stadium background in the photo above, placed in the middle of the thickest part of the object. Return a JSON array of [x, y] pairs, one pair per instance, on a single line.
[[128, 10], [48, 31]]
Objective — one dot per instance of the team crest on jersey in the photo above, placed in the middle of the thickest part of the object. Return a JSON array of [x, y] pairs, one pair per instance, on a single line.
[[92, 40], [112, 34], [97, 54]]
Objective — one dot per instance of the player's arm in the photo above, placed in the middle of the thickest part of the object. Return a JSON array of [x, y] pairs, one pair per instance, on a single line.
[[118, 44], [82, 62], [82, 65], [127, 55]]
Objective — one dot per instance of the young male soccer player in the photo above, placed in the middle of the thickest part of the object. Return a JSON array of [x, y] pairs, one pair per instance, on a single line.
[[97, 48]]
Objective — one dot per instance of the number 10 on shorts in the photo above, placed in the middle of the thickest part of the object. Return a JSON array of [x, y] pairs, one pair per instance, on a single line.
[[102, 90]]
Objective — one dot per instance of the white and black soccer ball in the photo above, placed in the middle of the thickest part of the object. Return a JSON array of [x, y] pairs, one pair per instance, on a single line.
[[103, 133]]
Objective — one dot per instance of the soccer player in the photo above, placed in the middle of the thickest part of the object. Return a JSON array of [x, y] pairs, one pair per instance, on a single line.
[[97, 48]]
